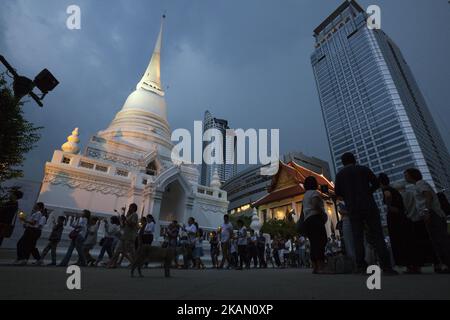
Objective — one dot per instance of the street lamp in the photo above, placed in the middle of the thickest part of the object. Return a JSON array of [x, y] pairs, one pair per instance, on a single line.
[[23, 86]]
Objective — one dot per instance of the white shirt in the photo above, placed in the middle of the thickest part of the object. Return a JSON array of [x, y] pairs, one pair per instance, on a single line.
[[409, 200], [83, 225], [150, 228], [42, 222], [421, 187], [36, 218], [242, 237], [191, 231], [112, 230], [302, 241], [308, 209], [226, 231]]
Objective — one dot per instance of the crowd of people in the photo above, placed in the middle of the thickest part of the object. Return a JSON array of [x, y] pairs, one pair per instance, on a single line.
[[416, 223]]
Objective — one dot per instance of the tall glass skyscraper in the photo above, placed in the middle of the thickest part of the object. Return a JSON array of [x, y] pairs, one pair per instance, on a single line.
[[229, 166], [371, 103]]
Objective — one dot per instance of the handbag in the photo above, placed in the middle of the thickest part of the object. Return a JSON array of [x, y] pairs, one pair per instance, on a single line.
[[74, 233], [301, 229]]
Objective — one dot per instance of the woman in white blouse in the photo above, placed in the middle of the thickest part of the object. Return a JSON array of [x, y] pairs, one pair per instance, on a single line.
[[315, 219]]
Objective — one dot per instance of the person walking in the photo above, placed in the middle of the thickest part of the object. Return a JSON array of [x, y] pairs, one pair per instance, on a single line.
[[126, 246], [302, 252], [242, 243], [172, 233], [261, 247], [149, 229], [112, 236], [315, 219], [53, 240], [269, 256], [428, 207], [355, 185], [226, 232], [191, 230], [91, 240], [399, 226], [30, 235], [198, 250], [214, 249], [77, 236], [34, 251], [252, 249]]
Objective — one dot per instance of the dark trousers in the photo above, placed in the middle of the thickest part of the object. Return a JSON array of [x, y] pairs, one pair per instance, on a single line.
[[437, 230], [276, 257], [315, 230], [371, 222], [27, 244], [252, 255], [261, 258], [108, 247], [75, 244], [225, 246], [52, 245], [242, 251]]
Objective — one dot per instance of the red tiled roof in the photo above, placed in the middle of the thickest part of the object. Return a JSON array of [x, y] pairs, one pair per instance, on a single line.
[[280, 194], [299, 174], [321, 180]]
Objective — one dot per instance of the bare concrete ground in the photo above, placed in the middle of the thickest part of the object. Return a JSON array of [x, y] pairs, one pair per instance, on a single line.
[[98, 283]]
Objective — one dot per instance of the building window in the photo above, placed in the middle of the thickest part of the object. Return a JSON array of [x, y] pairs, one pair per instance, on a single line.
[[101, 168], [122, 173], [144, 181], [151, 169], [65, 160], [86, 165]]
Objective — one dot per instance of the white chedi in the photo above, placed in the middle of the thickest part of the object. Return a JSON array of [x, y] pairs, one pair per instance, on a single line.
[[255, 225], [215, 180], [71, 146]]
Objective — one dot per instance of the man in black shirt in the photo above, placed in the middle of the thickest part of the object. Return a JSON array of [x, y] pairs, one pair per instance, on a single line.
[[355, 185]]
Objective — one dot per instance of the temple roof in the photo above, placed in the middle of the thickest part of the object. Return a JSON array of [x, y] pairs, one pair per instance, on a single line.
[[288, 182]]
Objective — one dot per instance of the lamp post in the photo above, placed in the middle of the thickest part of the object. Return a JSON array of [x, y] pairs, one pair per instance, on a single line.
[[23, 86]]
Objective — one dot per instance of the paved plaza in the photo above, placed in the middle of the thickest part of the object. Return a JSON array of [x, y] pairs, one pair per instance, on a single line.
[[33, 282]]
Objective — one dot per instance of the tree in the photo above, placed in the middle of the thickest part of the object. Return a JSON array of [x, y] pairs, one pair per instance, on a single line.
[[245, 219], [280, 228], [17, 135]]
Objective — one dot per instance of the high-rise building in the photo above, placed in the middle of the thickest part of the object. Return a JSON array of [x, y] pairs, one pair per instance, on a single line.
[[228, 167], [371, 104]]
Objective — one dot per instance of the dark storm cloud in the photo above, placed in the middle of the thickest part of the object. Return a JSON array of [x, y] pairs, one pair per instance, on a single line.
[[245, 61]]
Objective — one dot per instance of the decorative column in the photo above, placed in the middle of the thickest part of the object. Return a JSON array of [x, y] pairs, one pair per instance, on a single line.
[[156, 210], [255, 225]]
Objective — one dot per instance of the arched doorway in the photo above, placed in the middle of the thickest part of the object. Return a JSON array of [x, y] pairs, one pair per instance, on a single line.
[[173, 203]]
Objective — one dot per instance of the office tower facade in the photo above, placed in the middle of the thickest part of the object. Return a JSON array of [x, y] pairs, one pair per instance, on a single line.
[[371, 104], [228, 167]]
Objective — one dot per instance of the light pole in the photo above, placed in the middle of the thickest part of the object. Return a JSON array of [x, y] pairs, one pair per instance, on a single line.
[[23, 86]]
